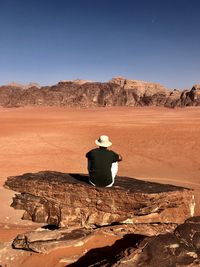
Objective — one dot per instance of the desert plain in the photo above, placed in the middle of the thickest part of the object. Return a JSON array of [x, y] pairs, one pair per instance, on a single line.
[[157, 144]]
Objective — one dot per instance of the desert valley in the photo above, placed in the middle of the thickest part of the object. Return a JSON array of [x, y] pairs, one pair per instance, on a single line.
[[100, 133], [158, 144]]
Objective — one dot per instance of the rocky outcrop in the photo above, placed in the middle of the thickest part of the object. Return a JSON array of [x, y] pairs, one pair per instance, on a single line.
[[48, 238], [23, 86], [192, 97], [181, 248], [68, 200], [45, 240], [79, 93], [147, 218]]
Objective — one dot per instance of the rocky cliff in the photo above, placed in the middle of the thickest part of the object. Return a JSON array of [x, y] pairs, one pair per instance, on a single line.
[[117, 92]]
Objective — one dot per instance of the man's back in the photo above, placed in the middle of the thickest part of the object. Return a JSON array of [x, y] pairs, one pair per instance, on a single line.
[[100, 162]]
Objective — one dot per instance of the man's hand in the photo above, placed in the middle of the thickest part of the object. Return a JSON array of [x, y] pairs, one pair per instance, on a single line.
[[120, 158]]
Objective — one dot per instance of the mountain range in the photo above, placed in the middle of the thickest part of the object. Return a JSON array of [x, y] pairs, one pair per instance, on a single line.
[[116, 92]]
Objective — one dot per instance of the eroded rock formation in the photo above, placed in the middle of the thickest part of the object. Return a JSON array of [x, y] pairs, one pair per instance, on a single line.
[[147, 218], [116, 92], [45, 240], [48, 238], [68, 200], [180, 248]]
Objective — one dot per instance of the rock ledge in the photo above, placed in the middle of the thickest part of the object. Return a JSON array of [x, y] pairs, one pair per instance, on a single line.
[[68, 200]]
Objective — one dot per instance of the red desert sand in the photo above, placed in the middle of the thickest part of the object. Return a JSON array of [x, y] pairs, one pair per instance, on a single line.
[[157, 144]]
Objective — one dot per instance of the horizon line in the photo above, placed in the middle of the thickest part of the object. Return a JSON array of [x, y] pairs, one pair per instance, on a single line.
[[41, 84]]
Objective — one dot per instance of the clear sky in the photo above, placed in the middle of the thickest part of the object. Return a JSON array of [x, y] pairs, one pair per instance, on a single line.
[[46, 41]]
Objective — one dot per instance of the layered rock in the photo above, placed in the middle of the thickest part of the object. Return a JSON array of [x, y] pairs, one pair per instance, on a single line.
[[67, 200], [48, 238], [23, 86], [174, 99], [142, 93], [179, 248], [45, 240], [145, 217], [80, 93], [192, 97]]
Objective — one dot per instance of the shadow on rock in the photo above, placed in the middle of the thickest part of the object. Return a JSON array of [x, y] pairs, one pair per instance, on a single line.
[[107, 256], [80, 177], [51, 227]]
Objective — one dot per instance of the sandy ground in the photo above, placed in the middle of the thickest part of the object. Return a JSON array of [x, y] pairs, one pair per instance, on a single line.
[[157, 144]]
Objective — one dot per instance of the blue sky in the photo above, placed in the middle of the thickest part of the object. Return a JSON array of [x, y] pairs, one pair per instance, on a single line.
[[46, 41]]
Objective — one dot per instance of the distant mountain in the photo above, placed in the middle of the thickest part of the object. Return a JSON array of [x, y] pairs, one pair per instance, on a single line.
[[116, 92], [23, 86], [78, 81]]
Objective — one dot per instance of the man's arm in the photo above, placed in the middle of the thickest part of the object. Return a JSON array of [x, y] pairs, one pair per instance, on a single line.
[[88, 154], [120, 157], [116, 157]]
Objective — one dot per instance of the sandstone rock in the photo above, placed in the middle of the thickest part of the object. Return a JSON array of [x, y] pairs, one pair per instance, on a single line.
[[143, 214], [24, 86], [180, 248], [79, 93], [141, 87], [70, 259], [144, 93], [145, 229], [174, 99], [44, 240], [194, 95], [77, 81], [9, 257], [68, 200]]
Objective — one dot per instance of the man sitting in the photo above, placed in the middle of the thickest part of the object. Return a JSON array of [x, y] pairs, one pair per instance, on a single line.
[[102, 163]]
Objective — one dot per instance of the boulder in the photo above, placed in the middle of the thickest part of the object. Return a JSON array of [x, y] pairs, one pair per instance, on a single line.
[[44, 240], [68, 200], [145, 218], [176, 249], [181, 248]]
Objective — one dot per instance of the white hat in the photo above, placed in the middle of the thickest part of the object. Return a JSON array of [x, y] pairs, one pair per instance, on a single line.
[[103, 141]]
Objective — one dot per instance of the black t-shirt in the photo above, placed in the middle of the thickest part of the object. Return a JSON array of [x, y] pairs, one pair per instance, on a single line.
[[101, 160]]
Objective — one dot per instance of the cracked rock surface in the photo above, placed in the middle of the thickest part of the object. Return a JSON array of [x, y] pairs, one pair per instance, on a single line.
[[153, 222], [68, 200]]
